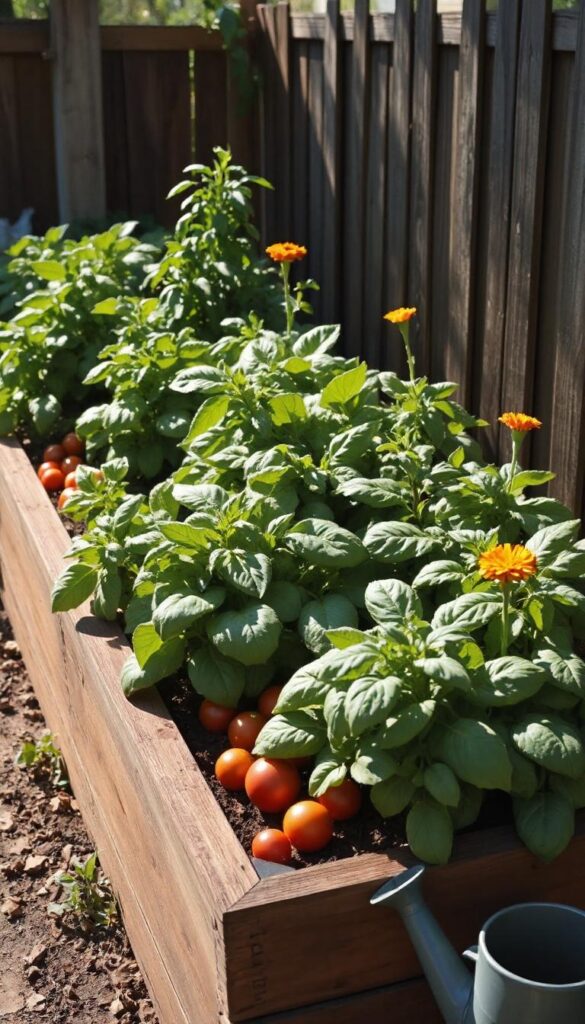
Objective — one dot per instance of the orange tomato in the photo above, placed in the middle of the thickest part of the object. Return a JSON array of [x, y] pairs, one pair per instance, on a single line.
[[308, 825], [268, 699], [342, 801], [244, 728], [214, 717], [73, 444], [272, 785], [44, 466], [272, 844], [52, 479], [71, 480], [232, 767], [70, 463], [54, 453], [64, 496]]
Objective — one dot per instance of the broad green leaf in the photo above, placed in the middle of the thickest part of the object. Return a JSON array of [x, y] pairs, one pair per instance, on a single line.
[[295, 734], [249, 636], [475, 753], [407, 723], [545, 823], [186, 536], [306, 689], [449, 672], [215, 677], [287, 408], [318, 339], [531, 478], [441, 782], [330, 770], [49, 270], [572, 789], [466, 813], [506, 681], [392, 796], [73, 586], [552, 540], [179, 611], [429, 830], [369, 701], [108, 594], [246, 571], [317, 617], [324, 544], [201, 497], [107, 307], [163, 663], [372, 765], [209, 415], [468, 612], [436, 573], [393, 543], [551, 742], [524, 775], [334, 712], [343, 388], [568, 673], [380, 493], [286, 599], [390, 600], [45, 410], [146, 642]]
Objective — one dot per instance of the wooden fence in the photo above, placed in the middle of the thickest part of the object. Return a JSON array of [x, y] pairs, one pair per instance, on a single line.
[[439, 161]]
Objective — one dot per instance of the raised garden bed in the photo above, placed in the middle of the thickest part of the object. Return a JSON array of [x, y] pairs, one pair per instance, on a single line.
[[216, 942]]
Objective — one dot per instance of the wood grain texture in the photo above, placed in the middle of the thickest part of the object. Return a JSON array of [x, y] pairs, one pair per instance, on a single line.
[[313, 266], [465, 214], [526, 213], [567, 434], [156, 38], [77, 109], [315, 935], [501, 162], [210, 104], [410, 1002], [173, 859], [300, 153], [375, 286], [421, 206], [332, 100], [355, 182]]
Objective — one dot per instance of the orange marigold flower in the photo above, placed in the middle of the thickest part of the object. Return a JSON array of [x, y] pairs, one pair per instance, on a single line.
[[400, 316], [507, 563], [519, 421], [286, 252]]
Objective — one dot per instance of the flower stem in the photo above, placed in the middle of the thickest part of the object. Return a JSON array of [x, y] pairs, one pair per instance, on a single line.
[[505, 620], [288, 303], [516, 443], [405, 330]]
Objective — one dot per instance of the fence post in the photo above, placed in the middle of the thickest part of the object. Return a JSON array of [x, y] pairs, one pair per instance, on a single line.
[[77, 108]]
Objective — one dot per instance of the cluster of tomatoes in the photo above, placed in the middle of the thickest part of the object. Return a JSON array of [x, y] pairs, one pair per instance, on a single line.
[[274, 785], [57, 471]]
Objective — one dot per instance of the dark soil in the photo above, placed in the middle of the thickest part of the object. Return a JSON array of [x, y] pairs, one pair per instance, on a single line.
[[52, 970]]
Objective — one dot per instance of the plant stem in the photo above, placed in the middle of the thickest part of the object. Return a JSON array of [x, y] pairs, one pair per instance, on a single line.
[[288, 305], [505, 620], [405, 330], [516, 442]]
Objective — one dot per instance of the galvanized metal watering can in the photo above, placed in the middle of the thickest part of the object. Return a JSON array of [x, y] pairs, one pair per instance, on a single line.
[[530, 960]]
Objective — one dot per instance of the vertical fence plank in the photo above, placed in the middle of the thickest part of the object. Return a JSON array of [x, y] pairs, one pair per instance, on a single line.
[[421, 212], [461, 306], [242, 112], [567, 430], [115, 138], [355, 179], [533, 91], [398, 177], [375, 207], [276, 137], [501, 162], [210, 104], [316, 171], [331, 160], [77, 105], [300, 153], [10, 184]]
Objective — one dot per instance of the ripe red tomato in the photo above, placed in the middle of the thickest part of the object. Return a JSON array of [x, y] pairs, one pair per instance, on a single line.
[[272, 844], [308, 825], [64, 497], [342, 801], [71, 480], [214, 717], [70, 463], [73, 444], [44, 466], [244, 728], [54, 453], [272, 785], [232, 767], [268, 699], [52, 479]]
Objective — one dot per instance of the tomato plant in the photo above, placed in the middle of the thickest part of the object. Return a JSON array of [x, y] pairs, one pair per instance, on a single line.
[[244, 728], [214, 717], [232, 767], [273, 845], [272, 785], [308, 825]]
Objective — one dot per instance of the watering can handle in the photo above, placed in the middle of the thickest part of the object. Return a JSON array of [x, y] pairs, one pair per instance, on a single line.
[[472, 953]]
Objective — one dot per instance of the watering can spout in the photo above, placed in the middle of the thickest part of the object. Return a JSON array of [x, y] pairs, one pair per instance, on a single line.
[[451, 983]]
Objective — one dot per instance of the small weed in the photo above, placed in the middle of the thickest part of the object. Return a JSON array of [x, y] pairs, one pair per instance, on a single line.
[[87, 895], [44, 759]]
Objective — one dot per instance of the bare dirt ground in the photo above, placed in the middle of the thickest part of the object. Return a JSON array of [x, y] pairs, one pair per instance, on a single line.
[[51, 969]]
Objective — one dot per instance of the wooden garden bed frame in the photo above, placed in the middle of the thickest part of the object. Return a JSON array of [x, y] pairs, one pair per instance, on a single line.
[[217, 943]]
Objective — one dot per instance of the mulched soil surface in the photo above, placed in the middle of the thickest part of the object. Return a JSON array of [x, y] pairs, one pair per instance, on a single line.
[[51, 970]]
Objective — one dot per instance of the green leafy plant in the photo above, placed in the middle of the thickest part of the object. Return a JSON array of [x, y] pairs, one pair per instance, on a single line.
[[88, 895], [44, 759]]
